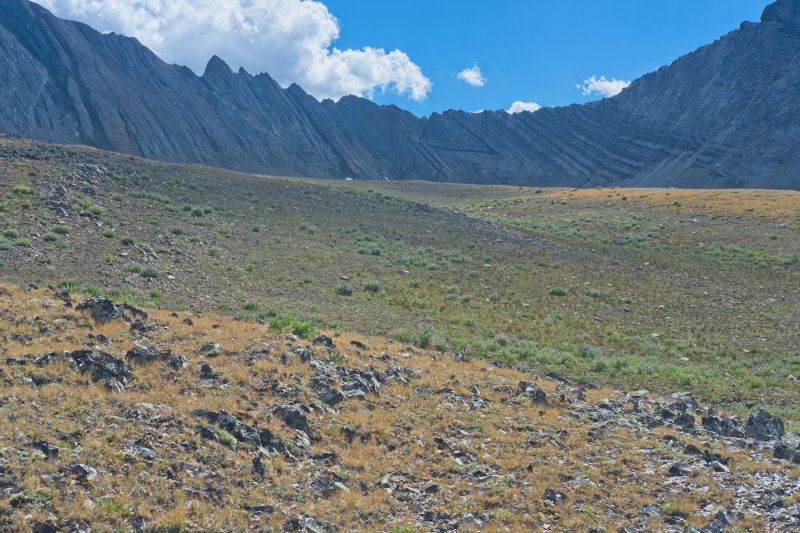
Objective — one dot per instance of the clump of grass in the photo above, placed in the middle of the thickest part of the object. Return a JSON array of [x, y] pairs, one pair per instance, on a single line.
[[91, 290], [251, 306], [344, 289], [127, 241], [225, 438], [293, 324], [215, 253], [149, 273], [23, 243], [558, 291], [62, 230], [269, 313], [109, 233], [423, 337], [22, 190], [41, 497], [588, 351], [373, 286], [289, 444], [673, 509], [113, 506], [11, 234], [95, 210], [50, 237], [68, 284]]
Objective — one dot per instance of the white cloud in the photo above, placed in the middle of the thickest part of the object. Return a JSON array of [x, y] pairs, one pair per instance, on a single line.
[[602, 86], [519, 107], [472, 76], [292, 40]]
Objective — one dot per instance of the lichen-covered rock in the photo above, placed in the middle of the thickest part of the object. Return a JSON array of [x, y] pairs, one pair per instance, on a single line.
[[763, 426], [100, 309], [532, 391], [103, 367]]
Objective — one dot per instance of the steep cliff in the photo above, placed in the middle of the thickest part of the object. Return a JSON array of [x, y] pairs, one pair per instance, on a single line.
[[727, 114]]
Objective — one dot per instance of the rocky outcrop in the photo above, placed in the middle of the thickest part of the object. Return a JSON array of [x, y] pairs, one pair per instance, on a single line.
[[414, 431], [725, 115]]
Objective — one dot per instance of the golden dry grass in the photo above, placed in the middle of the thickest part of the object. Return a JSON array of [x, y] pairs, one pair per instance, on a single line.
[[778, 205], [521, 448]]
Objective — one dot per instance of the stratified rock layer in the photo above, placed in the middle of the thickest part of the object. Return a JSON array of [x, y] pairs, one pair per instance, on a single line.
[[725, 115]]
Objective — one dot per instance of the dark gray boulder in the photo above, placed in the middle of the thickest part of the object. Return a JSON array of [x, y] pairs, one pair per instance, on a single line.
[[103, 367], [293, 416], [207, 371], [50, 451], [100, 309], [148, 354], [103, 310], [533, 392], [178, 361], [786, 453], [325, 390], [763, 426], [725, 426], [83, 472]]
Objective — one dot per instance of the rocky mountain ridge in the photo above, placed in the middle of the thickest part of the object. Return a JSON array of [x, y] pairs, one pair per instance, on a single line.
[[726, 115]]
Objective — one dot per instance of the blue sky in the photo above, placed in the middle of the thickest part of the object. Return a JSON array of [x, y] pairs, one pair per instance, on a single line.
[[410, 52], [535, 50]]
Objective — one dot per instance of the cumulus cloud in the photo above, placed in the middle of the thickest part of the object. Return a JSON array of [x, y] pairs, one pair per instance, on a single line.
[[519, 107], [602, 86], [472, 76], [292, 40]]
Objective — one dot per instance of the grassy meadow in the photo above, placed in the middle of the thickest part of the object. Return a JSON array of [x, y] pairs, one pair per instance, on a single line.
[[659, 289]]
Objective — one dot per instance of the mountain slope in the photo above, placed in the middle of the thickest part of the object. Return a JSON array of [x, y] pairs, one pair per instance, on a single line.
[[123, 429], [727, 114]]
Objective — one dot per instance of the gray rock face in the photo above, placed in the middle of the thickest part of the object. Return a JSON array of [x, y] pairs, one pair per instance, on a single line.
[[725, 115], [763, 426]]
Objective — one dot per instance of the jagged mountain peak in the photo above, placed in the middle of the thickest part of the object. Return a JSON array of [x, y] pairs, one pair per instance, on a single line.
[[783, 11], [727, 114], [217, 66]]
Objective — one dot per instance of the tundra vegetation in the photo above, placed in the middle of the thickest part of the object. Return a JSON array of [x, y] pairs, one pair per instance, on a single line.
[[470, 290]]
